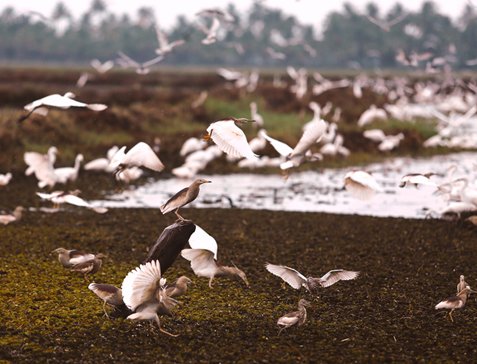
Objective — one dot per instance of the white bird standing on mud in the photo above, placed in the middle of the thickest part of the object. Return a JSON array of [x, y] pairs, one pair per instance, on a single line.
[[61, 102], [455, 302], [69, 174], [144, 292], [141, 155], [230, 138], [297, 280], [361, 184]]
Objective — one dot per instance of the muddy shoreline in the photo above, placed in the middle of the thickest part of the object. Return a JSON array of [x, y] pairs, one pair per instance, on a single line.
[[386, 315]]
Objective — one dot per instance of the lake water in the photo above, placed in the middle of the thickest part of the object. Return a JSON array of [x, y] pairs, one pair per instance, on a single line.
[[319, 191]]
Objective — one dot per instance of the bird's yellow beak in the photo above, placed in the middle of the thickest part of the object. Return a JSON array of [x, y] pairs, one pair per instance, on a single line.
[[206, 137]]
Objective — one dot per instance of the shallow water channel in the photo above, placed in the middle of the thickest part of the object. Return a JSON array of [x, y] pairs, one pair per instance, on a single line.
[[321, 190]]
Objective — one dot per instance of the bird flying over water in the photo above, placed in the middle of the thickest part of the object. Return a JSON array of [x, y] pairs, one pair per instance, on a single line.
[[230, 138], [141, 155]]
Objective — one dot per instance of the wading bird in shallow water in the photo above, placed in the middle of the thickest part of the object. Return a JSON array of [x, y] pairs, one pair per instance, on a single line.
[[230, 138], [15, 216], [203, 264], [144, 292], [295, 317], [298, 280], [454, 302], [110, 294], [183, 197]]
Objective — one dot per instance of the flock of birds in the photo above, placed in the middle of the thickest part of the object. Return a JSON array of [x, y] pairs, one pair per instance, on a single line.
[[144, 291]]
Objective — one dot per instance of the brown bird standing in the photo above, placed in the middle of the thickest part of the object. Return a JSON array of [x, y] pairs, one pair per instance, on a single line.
[[183, 197]]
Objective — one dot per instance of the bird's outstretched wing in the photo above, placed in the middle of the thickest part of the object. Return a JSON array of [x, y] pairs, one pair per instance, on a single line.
[[289, 275], [282, 148], [143, 155], [201, 261], [230, 139], [313, 133], [200, 239], [336, 275], [140, 284]]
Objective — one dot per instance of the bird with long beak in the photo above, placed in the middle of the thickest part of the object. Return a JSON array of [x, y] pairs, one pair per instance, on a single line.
[[69, 258], [295, 317], [230, 138], [462, 284], [203, 264], [183, 197], [455, 302]]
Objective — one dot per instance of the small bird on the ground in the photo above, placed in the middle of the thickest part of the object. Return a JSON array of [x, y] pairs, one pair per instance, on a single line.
[[454, 302], [15, 216], [141, 155], [90, 266], [298, 280], [110, 294], [295, 317], [230, 138], [179, 287], [144, 292], [68, 258], [183, 197], [203, 264]]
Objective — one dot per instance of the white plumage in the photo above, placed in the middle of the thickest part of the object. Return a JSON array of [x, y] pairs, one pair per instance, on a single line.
[[289, 275], [62, 102], [230, 139], [141, 155], [140, 285], [361, 184], [200, 239]]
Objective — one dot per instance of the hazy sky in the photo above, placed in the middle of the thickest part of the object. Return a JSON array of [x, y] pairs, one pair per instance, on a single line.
[[308, 11]]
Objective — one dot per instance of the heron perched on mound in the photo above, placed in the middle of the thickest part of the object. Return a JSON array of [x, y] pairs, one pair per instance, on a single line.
[[183, 197], [298, 280], [295, 317]]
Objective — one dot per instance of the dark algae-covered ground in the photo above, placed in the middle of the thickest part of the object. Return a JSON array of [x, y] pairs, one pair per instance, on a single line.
[[387, 314]]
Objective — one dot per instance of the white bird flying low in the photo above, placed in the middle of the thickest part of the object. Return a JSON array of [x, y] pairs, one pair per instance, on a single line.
[[416, 179], [101, 67], [164, 45], [361, 184], [230, 138], [141, 155], [141, 68], [297, 280], [61, 197], [59, 101]]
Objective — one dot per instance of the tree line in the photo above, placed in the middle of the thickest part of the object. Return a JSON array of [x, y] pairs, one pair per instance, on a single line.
[[259, 37]]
